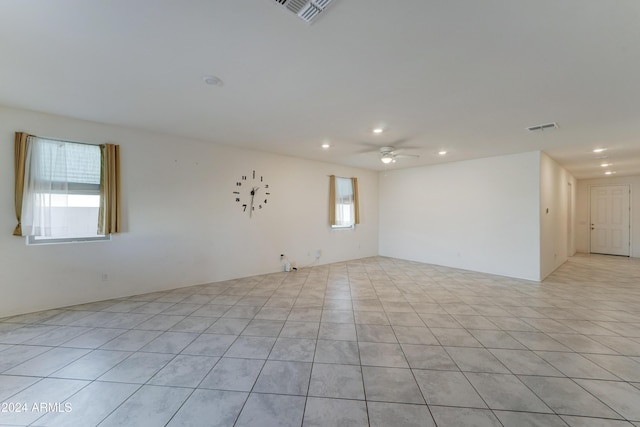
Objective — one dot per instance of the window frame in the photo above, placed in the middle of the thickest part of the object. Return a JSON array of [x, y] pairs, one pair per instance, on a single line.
[[352, 204], [31, 240], [75, 188]]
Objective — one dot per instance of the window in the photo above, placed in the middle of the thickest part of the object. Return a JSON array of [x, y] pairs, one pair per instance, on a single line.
[[61, 198], [343, 212]]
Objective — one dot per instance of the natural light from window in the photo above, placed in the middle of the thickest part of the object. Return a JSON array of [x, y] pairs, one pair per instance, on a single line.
[[344, 203], [65, 197]]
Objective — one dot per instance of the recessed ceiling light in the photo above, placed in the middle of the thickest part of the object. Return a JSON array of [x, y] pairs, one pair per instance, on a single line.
[[609, 172], [442, 153], [326, 146], [604, 165], [378, 130], [599, 150], [213, 81]]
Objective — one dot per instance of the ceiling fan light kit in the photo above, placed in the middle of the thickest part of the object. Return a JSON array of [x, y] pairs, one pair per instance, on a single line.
[[389, 154]]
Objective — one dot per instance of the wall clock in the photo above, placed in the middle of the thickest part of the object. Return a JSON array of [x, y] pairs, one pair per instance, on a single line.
[[251, 192]]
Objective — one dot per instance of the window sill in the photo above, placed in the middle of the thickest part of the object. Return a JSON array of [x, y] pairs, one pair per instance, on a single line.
[[31, 241]]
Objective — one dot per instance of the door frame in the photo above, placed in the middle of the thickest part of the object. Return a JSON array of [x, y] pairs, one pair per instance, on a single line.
[[630, 214], [570, 221]]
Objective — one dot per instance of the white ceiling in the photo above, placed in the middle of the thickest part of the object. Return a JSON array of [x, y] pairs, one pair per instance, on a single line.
[[462, 75]]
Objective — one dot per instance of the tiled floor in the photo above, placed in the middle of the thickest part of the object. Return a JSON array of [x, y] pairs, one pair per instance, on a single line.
[[378, 342]]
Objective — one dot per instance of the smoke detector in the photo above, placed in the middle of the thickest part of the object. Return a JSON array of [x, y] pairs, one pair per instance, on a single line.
[[307, 10]]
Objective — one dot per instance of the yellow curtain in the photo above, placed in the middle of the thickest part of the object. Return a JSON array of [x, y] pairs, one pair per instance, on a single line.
[[356, 204], [332, 200], [20, 158], [109, 220]]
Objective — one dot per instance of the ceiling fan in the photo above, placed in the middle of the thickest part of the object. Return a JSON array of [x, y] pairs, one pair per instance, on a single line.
[[389, 155]]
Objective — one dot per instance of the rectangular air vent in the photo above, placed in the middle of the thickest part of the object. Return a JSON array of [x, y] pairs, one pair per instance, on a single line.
[[542, 127], [307, 10]]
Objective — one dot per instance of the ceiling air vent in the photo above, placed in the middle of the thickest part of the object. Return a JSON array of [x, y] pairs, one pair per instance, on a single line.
[[546, 126], [307, 10]]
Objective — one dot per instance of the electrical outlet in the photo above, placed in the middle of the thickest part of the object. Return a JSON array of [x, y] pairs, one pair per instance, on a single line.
[[104, 277], [318, 253]]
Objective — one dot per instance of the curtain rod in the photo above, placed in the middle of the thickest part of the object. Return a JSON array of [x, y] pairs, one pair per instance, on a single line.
[[65, 140]]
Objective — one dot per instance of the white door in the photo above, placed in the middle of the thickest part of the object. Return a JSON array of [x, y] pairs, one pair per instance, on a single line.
[[610, 220]]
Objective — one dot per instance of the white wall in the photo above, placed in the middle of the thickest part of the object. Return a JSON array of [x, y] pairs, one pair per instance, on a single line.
[[480, 215], [582, 210], [182, 225], [557, 217]]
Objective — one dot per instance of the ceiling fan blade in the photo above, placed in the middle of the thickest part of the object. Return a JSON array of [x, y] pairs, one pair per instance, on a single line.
[[399, 142], [371, 148], [406, 155], [410, 147], [374, 151]]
